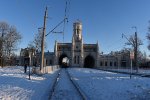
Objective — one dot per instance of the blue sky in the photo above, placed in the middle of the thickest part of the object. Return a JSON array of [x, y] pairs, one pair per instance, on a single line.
[[103, 20]]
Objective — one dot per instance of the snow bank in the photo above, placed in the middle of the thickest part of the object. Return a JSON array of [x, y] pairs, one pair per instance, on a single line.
[[101, 85], [140, 71], [14, 84]]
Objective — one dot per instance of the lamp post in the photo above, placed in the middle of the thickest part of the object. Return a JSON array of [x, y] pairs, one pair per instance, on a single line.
[[31, 60], [29, 73], [131, 58]]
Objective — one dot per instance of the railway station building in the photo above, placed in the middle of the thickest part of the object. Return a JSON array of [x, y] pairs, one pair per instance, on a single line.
[[81, 54]]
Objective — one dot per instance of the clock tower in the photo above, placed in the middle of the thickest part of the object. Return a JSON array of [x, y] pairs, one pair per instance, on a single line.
[[77, 44]]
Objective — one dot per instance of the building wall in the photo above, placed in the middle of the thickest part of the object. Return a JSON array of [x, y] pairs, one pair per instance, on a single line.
[[107, 62]]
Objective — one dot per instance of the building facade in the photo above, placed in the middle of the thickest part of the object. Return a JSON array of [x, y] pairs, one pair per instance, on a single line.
[[115, 60], [80, 54]]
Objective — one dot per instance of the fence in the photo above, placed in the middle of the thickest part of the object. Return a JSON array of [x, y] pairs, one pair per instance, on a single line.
[[47, 69]]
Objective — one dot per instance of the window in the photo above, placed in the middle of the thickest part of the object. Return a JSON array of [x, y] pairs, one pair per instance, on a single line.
[[50, 62], [78, 31], [101, 63], [115, 63], [106, 63], [94, 49], [78, 59], [110, 63], [46, 62], [76, 47], [75, 59], [58, 48]]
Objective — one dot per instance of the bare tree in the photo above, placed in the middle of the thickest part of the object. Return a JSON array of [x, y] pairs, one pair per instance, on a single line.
[[135, 42], [36, 43], [3, 30], [9, 40], [148, 36]]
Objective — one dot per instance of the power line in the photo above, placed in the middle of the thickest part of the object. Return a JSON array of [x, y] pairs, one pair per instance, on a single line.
[[63, 21], [55, 27]]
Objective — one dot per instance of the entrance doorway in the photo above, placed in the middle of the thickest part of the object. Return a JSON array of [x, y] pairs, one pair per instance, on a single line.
[[64, 61], [89, 62]]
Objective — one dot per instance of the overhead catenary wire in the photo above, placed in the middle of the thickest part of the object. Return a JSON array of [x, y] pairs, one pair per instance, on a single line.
[[55, 27], [63, 21], [68, 9]]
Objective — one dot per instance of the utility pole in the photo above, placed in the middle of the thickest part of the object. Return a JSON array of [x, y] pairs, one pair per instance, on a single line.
[[42, 42], [52, 31], [135, 51]]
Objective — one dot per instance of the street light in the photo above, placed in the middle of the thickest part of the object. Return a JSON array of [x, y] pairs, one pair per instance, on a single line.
[[31, 60], [131, 58], [131, 54]]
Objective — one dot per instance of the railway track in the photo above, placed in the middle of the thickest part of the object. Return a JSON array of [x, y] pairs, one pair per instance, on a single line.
[[84, 97], [54, 84], [65, 87]]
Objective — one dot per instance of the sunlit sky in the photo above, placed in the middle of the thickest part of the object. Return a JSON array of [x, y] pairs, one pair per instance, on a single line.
[[103, 20]]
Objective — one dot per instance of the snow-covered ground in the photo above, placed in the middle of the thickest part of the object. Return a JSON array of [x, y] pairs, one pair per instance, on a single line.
[[140, 71], [101, 85], [64, 89], [14, 85], [97, 85]]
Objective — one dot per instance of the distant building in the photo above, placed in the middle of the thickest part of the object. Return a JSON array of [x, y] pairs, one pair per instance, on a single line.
[[49, 58], [115, 60], [27, 56]]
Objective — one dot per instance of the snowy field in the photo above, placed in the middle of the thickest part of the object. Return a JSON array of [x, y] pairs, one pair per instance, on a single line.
[[14, 85], [96, 84], [140, 71], [100, 85]]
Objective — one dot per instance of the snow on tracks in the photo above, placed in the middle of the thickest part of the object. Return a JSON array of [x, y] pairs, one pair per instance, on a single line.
[[65, 89]]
